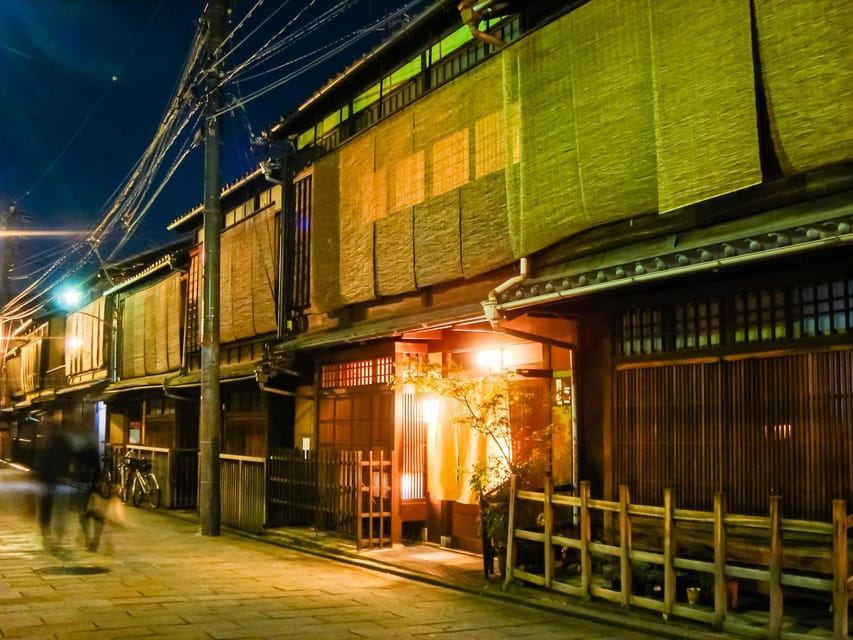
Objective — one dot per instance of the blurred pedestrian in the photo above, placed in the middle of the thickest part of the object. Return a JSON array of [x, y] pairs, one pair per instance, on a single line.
[[52, 466], [89, 501]]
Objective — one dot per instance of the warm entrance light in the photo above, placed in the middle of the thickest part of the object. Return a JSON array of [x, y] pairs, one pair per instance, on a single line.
[[430, 411], [490, 359]]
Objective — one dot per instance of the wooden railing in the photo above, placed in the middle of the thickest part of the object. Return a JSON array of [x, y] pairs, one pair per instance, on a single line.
[[344, 491], [313, 488], [716, 548], [176, 471], [243, 492], [374, 504]]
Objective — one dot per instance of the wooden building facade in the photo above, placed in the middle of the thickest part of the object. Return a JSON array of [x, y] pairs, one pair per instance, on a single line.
[[643, 207]]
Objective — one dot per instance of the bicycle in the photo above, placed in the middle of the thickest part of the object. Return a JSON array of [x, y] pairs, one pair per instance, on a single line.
[[144, 482]]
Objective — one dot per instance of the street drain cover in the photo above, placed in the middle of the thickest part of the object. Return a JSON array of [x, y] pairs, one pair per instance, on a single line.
[[72, 570]]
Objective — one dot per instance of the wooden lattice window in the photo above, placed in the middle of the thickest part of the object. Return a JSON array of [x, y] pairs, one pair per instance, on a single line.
[[697, 324], [642, 331], [357, 373], [759, 316], [193, 329], [297, 255], [823, 308]]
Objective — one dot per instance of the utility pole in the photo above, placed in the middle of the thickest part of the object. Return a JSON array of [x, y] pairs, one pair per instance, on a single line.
[[210, 417]]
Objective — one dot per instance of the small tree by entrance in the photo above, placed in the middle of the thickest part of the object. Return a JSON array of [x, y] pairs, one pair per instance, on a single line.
[[485, 405]]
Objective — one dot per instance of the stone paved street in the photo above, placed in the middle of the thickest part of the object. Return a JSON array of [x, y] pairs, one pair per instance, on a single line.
[[156, 576]]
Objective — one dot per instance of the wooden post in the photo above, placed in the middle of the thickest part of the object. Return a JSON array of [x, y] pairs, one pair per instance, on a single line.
[[668, 553], [719, 561], [396, 500], [585, 536], [360, 488], [510, 538], [548, 510], [840, 596], [625, 543], [774, 629]]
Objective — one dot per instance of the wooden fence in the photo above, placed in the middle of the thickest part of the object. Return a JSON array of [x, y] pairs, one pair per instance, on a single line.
[[242, 492], [342, 491], [374, 504], [676, 547], [176, 471]]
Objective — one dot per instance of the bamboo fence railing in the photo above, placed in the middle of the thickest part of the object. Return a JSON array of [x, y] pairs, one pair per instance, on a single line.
[[816, 564]]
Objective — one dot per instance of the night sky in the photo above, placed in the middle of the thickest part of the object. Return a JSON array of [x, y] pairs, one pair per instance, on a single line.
[[85, 84]]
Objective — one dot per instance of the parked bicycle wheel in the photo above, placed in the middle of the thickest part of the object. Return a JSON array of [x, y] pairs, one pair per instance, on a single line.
[[153, 490], [136, 491], [124, 481]]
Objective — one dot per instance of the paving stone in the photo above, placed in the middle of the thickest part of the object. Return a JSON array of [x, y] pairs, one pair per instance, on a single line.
[[161, 579]]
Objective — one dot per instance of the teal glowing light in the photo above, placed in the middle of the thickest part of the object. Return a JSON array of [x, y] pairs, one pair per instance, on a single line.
[[70, 297]]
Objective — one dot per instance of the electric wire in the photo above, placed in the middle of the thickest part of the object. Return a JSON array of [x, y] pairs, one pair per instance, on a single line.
[[124, 210], [357, 36]]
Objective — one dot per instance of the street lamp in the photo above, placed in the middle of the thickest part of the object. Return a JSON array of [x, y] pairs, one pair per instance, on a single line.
[[70, 297]]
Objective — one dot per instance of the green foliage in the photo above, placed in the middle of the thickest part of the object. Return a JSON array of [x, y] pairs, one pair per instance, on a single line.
[[647, 572]]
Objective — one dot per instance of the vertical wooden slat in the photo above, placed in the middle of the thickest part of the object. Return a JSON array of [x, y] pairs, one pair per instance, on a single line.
[[395, 519], [585, 535], [774, 629], [625, 543], [668, 553], [719, 560], [840, 594], [511, 543], [548, 511]]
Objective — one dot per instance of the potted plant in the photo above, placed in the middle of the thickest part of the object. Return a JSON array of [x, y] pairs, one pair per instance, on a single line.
[[648, 579]]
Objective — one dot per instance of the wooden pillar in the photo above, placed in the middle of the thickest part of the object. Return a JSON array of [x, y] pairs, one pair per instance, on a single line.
[[719, 560], [548, 511], [840, 594], [396, 488], [585, 536], [625, 543], [510, 538], [668, 553], [774, 629]]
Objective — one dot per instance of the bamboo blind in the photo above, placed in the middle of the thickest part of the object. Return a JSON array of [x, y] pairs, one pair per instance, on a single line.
[[325, 234], [395, 259], [704, 100], [26, 370], [151, 329], [89, 327], [16, 380], [617, 109], [808, 93], [360, 204], [248, 276]]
